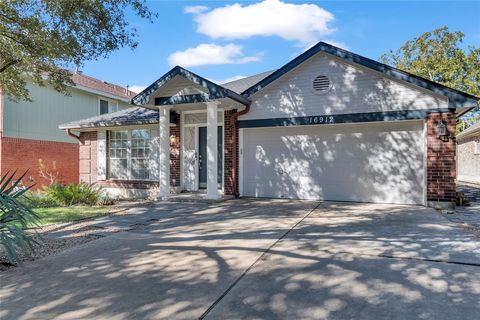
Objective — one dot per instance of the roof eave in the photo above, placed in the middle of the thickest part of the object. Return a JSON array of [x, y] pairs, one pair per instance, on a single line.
[[215, 90]]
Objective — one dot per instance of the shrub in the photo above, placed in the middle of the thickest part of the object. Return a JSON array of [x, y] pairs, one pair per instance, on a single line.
[[74, 194], [38, 200], [14, 218]]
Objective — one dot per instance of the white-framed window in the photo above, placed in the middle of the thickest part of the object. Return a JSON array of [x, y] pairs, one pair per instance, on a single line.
[[476, 146], [107, 106], [128, 154]]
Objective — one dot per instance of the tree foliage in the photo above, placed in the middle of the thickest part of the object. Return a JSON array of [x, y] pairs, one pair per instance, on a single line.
[[439, 56], [42, 39]]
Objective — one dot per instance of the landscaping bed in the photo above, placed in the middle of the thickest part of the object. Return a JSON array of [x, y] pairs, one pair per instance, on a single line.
[[75, 222]]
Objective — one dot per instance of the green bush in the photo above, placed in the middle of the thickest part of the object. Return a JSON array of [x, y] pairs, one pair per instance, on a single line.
[[14, 218], [38, 200], [74, 194]]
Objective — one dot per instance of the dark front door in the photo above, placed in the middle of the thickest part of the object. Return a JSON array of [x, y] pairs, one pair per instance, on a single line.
[[202, 156]]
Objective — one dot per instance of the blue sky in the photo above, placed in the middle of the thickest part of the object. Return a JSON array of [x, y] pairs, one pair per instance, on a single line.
[[226, 40]]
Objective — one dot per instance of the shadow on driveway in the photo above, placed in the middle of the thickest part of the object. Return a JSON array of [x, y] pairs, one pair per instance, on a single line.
[[340, 261]]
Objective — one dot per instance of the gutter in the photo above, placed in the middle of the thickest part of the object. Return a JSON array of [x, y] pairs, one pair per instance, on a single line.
[[72, 134], [233, 123]]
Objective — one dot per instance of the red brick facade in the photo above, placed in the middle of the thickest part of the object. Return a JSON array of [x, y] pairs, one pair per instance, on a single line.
[[88, 162], [175, 154], [44, 160], [441, 159], [228, 153]]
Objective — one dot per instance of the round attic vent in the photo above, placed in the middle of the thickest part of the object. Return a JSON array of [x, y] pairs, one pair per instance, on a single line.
[[321, 85]]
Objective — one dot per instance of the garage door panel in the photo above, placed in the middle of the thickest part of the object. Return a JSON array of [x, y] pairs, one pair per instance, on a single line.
[[373, 163]]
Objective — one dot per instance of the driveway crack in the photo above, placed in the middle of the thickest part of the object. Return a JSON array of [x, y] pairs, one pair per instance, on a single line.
[[264, 253]]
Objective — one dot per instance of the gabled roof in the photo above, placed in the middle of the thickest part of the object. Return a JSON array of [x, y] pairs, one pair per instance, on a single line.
[[471, 131], [215, 91], [88, 82], [129, 116], [243, 84], [457, 99]]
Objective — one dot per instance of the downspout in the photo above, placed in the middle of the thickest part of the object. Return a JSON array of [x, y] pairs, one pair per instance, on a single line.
[[233, 124], [72, 134]]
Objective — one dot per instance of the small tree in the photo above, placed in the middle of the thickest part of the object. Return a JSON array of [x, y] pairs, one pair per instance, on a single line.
[[42, 39], [439, 56]]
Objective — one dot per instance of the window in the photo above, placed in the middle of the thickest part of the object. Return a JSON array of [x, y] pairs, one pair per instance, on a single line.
[[108, 106], [128, 154], [140, 154], [477, 146]]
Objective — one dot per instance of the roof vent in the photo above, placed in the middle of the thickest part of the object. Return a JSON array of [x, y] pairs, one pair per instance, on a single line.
[[321, 85]]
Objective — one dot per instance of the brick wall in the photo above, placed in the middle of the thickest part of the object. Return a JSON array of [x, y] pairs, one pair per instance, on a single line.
[[60, 159], [88, 162], [128, 184], [175, 154], [441, 159], [228, 153], [88, 157]]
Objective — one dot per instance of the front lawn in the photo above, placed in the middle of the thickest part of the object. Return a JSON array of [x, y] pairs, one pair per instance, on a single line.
[[67, 214]]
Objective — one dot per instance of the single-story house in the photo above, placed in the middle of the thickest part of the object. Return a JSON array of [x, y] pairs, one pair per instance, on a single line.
[[329, 125], [468, 150]]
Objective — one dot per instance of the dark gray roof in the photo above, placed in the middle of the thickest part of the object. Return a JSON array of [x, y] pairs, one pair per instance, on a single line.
[[243, 84], [470, 131], [215, 91], [130, 116]]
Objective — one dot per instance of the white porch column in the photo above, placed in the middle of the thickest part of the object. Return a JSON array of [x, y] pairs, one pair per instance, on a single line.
[[164, 151], [212, 150]]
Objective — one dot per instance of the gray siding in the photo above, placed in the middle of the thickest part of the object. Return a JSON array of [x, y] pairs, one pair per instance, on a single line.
[[40, 119], [355, 90]]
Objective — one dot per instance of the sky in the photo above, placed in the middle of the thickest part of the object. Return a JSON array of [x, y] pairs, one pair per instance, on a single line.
[[227, 40]]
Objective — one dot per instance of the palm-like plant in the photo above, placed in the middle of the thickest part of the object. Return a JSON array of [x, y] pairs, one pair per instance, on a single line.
[[14, 219]]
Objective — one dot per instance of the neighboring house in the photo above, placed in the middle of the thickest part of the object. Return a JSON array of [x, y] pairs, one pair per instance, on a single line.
[[468, 151], [29, 135], [328, 125]]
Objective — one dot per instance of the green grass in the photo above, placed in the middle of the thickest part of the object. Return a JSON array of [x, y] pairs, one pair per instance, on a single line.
[[67, 214]]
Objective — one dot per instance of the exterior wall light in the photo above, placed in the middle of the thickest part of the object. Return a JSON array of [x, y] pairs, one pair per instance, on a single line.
[[441, 129]]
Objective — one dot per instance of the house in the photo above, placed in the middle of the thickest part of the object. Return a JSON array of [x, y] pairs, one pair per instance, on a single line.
[[468, 150], [29, 135], [328, 125]]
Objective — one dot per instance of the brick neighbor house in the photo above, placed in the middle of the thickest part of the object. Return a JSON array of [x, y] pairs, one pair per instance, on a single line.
[[468, 150], [29, 135], [329, 125]]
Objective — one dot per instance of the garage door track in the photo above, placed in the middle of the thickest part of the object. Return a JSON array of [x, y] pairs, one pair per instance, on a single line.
[[260, 259]]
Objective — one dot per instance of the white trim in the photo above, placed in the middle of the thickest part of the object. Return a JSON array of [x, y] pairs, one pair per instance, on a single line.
[[109, 100], [240, 162], [182, 147], [197, 169], [102, 157]]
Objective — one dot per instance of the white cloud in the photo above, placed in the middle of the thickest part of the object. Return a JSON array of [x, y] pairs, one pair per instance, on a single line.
[[137, 88], [302, 23], [194, 9], [211, 53]]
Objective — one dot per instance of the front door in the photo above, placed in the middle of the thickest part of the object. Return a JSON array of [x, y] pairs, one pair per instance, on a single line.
[[202, 156]]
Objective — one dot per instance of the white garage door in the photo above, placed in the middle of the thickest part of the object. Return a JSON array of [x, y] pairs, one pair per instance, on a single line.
[[374, 162]]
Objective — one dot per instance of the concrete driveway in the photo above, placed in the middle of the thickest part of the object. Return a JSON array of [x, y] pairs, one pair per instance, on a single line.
[[259, 259]]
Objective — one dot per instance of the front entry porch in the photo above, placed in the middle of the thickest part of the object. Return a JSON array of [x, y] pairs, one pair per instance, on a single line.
[[199, 152]]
